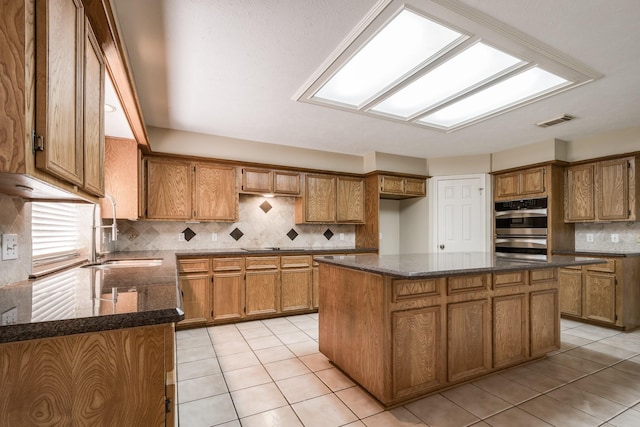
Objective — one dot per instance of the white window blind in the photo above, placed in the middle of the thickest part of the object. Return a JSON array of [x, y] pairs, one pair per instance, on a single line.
[[54, 298], [54, 232]]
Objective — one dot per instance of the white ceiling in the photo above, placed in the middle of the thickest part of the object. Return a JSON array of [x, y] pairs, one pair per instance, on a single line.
[[232, 67]]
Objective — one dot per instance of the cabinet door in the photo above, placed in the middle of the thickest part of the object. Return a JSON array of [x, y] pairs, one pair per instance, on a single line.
[[600, 297], [194, 297], [93, 115], [227, 296], [168, 189], [419, 342], [59, 85], [121, 178], [392, 184], [507, 185], [612, 190], [579, 196], [532, 182], [261, 292], [256, 180], [544, 321], [415, 187], [570, 284], [286, 183], [469, 339], [350, 199], [295, 289], [510, 330], [315, 291], [320, 198], [216, 198]]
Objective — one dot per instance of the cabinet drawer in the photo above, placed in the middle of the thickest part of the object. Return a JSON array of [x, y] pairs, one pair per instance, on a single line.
[[546, 275], [391, 184], [501, 280], [199, 265], [227, 264], [295, 261], [609, 267], [409, 289], [466, 284], [415, 187], [262, 263]]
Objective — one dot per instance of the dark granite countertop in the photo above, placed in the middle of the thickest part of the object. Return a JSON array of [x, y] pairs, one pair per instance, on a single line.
[[419, 266], [597, 253], [81, 300]]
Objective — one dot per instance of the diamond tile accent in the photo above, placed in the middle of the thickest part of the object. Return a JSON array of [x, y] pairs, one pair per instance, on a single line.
[[188, 234], [328, 234], [266, 206], [236, 234], [292, 234]]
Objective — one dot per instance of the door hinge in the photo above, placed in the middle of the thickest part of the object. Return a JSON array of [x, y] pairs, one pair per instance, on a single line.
[[615, 281], [211, 279], [167, 405], [211, 313], [615, 317], [38, 141], [244, 310]]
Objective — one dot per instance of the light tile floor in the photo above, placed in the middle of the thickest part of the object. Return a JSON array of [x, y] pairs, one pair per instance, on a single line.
[[270, 374]]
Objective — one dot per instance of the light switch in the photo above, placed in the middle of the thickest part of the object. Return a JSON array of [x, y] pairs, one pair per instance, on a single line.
[[590, 237], [615, 238], [9, 246]]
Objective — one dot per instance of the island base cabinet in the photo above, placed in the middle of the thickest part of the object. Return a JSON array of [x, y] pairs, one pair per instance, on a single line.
[[510, 336], [545, 322], [112, 378]]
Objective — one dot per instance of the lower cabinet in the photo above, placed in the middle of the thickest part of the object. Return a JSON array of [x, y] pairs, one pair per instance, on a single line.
[[227, 289], [469, 338], [193, 275], [603, 293], [262, 285], [295, 281]]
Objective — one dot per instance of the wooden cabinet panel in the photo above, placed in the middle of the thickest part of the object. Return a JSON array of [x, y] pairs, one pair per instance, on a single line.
[[286, 183], [399, 187], [350, 199], [544, 317], [501, 280], [295, 289], [111, 378], [315, 287], [612, 189], [262, 292], [545, 275], [510, 330], [600, 297], [418, 350], [532, 181], [527, 183], [570, 285], [469, 339], [168, 189], [94, 75], [458, 284], [507, 185], [579, 195], [415, 187], [59, 88], [320, 198], [121, 178], [194, 297], [193, 265], [227, 295], [256, 180], [215, 196], [392, 184]]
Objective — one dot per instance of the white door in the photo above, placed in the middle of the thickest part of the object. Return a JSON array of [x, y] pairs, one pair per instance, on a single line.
[[461, 214]]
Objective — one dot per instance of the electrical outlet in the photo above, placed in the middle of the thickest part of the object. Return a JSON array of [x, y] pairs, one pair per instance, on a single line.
[[341, 236], [615, 238], [9, 246], [181, 237], [10, 317], [214, 237], [590, 237]]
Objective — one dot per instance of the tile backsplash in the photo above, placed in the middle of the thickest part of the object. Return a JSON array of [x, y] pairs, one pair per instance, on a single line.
[[628, 235], [264, 222]]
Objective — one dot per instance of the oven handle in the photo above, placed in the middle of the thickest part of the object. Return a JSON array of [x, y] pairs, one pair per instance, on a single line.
[[524, 213]]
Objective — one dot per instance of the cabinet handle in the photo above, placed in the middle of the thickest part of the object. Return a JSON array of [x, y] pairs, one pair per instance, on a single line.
[[441, 246]]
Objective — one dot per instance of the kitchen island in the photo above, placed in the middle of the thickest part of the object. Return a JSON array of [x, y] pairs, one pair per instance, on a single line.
[[91, 346], [406, 326]]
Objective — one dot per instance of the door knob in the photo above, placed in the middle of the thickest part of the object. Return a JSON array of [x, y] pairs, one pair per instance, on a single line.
[[441, 246]]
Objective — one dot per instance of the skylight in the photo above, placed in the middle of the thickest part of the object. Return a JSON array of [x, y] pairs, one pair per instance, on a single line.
[[442, 73]]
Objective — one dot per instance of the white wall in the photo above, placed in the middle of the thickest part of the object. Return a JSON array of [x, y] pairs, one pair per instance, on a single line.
[[414, 225], [539, 152], [394, 163], [617, 142], [389, 227], [460, 165]]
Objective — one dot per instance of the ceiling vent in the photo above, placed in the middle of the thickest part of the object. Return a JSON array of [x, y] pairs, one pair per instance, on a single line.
[[555, 121]]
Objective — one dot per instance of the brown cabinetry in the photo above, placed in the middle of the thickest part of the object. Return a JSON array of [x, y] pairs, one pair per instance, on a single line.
[[262, 290], [266, 181], [181, 190], [602, 191], [296, 293], [121, 178], [400, 187], [193, 275], [227, 289], [331, 199], [527, 183], [603, 293]]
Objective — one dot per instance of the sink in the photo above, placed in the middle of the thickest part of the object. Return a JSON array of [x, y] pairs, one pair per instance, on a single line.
[[126, 263]]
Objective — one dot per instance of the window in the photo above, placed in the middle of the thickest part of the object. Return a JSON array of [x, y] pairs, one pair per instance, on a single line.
[[55, 235]]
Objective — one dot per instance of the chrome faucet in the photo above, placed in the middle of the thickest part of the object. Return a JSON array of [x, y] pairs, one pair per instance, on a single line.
[[94, 227]]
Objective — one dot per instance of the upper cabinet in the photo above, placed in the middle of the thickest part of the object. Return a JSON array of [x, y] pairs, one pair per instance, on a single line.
[[331, 199], [69, 96], [527, 183], [602, 191], [183, 190], [267, 181], [121, 178], [52, 80], [399, 187]]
